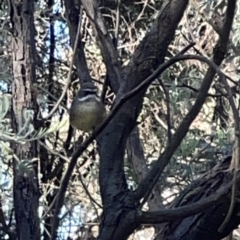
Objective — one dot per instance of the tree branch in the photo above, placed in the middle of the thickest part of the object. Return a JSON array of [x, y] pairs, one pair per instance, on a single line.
[[236, 152], [168, 215], [75, 50], [66, 178], [109, 52], [220, 50], [74, 16]]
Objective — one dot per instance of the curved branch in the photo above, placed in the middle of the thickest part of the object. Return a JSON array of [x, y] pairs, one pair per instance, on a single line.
[[66, 178], [109, 52], [122, 100], [146, 186], [125, 98], [74, 17], [168, 215], [149, 182], [54, 109]]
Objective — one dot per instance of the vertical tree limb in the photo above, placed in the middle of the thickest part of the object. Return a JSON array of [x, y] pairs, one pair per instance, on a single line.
[[24, 111]]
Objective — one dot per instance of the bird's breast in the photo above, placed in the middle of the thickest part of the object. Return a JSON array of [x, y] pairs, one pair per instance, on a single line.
[[86, 115]]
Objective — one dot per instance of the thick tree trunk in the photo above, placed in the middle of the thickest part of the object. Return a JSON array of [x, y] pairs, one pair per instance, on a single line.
[[120, 219], [120, 207], [26, 187]]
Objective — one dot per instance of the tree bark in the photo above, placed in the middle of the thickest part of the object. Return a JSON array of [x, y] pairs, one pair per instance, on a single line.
[[120, 207], [205, 224], [24, 109]]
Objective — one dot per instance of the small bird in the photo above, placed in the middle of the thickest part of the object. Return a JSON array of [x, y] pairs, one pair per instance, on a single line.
[[87, 110]]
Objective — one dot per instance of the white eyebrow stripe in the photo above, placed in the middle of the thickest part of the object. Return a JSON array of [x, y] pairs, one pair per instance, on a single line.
[[88, 97], [89, 90]]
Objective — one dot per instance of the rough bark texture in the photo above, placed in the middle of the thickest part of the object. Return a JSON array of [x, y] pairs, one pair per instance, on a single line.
[[139, 165], [119, 218], [121, 206], [205, 224], [26, 189]]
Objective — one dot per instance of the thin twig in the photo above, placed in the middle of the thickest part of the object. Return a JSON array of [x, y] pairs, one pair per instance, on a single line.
[[54, 109], [117, 24], [55, 217], [169, 128]]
